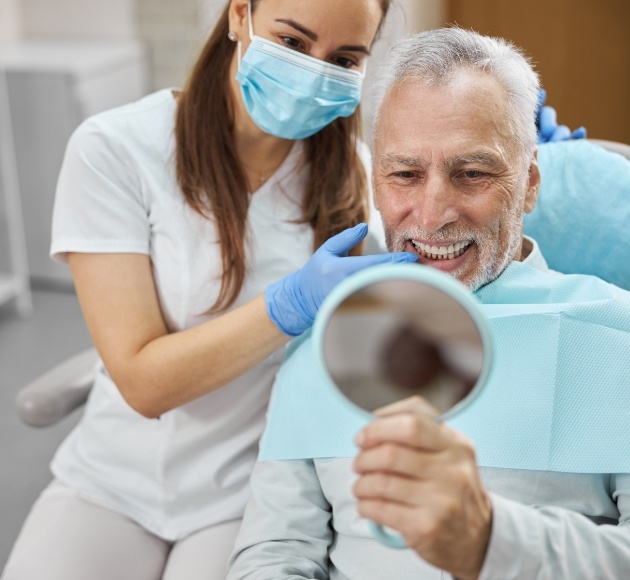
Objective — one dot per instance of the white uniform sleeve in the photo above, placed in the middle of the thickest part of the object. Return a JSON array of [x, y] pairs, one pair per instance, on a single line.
[[99, 204], [551, 543], [375, 240], [286, 528]]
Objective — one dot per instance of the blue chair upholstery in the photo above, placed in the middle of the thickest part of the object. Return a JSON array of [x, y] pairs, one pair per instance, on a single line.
[[582, 218]]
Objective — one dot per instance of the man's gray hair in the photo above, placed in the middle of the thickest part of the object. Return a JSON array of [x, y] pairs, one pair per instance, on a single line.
[[435, 56]]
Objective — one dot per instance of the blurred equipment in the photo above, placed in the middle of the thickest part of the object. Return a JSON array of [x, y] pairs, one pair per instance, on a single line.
[[14, 280], [53, 86]]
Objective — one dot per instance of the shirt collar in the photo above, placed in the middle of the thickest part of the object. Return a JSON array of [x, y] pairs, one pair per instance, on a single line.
[[535, 259]]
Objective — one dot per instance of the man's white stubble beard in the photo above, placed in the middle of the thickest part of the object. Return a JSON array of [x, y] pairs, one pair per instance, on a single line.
[[490, 259]]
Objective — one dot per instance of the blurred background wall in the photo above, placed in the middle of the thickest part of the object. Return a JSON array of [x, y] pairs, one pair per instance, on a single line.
[[581, 49]]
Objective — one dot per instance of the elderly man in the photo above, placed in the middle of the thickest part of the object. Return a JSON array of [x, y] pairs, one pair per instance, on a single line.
[[454, 171]]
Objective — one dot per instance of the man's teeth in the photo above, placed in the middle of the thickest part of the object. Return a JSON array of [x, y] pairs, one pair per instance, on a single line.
[[441, 252]]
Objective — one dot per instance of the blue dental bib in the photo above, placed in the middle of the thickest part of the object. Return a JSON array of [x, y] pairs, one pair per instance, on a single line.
[[557, 398]]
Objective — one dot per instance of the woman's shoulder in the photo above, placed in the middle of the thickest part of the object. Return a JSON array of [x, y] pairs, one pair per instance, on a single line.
[[150, 119], [142, 131]]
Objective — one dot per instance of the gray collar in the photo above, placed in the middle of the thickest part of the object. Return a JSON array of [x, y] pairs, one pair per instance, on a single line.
[[535, 259]]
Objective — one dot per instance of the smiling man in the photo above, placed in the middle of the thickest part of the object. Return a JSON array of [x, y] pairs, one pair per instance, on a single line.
[[454, 172]]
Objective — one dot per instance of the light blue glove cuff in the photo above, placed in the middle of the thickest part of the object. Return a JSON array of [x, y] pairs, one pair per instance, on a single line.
[[291, 321], [546, 122]]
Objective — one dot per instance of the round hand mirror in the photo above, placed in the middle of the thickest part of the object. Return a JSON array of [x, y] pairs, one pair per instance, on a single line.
[[392, 332]]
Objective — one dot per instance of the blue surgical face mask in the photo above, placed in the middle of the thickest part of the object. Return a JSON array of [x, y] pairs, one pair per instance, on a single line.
[[292, 95]]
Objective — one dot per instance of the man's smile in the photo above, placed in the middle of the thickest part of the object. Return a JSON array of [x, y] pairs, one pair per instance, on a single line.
[[441, 251], [447, 257]]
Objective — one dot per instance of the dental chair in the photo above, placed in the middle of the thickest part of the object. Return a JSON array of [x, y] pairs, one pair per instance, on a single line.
[[585, 193]]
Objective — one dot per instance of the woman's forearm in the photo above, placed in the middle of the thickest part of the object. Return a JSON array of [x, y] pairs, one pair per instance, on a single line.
[[176, 368]]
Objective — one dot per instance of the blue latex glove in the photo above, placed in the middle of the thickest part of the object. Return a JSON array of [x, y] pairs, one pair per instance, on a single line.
[[293, 301], [547, 124]]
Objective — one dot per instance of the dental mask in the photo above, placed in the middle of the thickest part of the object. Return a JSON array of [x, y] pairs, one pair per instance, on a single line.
[[292, 95]]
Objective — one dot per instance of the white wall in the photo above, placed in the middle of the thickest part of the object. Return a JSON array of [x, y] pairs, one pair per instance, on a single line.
[[94, 19], [10, 20], [425, 14], [172, 30], [404, 18]]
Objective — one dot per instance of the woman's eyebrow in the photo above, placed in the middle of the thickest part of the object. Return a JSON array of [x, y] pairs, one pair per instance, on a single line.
[[355, 48], [305, 31], [310, 34]]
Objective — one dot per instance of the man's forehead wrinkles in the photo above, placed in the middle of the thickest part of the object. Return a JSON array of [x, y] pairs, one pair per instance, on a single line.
[[488, 158], [402, 159], [477, 157]]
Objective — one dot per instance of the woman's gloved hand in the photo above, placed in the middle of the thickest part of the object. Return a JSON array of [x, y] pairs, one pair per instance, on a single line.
[[293, 301], [547, 124]]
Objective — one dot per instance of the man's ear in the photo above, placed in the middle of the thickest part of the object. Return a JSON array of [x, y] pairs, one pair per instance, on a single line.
[[237, 16], [375, 196], [533, 185]]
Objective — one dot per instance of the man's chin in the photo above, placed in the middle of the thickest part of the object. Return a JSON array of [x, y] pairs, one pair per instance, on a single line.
[[467, 268], [485, 276]]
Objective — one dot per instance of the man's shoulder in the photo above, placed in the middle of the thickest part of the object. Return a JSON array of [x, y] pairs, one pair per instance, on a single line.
[[523, 283]]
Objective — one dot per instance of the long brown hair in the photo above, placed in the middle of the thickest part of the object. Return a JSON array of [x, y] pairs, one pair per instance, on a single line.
[[213, 183]]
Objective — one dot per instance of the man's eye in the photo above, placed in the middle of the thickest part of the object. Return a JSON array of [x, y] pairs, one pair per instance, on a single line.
[[405, 174], [473, 174]]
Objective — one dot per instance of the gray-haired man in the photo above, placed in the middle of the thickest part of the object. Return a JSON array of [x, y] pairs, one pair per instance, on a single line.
[[454, 171]]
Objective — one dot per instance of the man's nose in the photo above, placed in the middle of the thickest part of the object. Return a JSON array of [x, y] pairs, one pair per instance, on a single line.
[[435, 205]]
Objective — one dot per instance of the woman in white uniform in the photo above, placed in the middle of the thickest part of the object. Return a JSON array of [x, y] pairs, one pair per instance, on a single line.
[[182, 217]]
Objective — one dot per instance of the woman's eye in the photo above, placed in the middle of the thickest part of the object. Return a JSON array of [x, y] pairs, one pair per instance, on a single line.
[[345, 62], [291, 42]]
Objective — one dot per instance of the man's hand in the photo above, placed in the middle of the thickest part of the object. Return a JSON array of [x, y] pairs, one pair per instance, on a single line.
[[420, 478]]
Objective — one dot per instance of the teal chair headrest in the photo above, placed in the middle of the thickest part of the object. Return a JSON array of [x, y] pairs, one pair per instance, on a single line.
[[582, 218]]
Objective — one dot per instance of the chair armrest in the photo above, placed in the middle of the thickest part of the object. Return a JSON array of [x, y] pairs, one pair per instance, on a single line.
[[49, 398]]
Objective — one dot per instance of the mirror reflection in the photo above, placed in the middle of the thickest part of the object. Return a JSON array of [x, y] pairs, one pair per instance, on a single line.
[[394, 339]]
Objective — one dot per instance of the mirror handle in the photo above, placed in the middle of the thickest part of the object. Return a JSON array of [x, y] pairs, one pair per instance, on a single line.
[[385, 536]]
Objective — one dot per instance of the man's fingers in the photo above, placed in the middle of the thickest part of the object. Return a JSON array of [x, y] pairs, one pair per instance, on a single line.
[[414, 404], [413, 429], [400, 460], [397, 516], [389, 487]]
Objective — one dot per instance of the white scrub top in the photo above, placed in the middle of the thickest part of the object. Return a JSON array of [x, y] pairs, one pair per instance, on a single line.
[[117, 192]]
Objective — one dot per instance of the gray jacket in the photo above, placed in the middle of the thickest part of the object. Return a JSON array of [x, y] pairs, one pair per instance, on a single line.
[[301, 522]]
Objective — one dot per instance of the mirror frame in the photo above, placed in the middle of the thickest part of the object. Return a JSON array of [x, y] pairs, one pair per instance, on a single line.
[[410, 272]]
